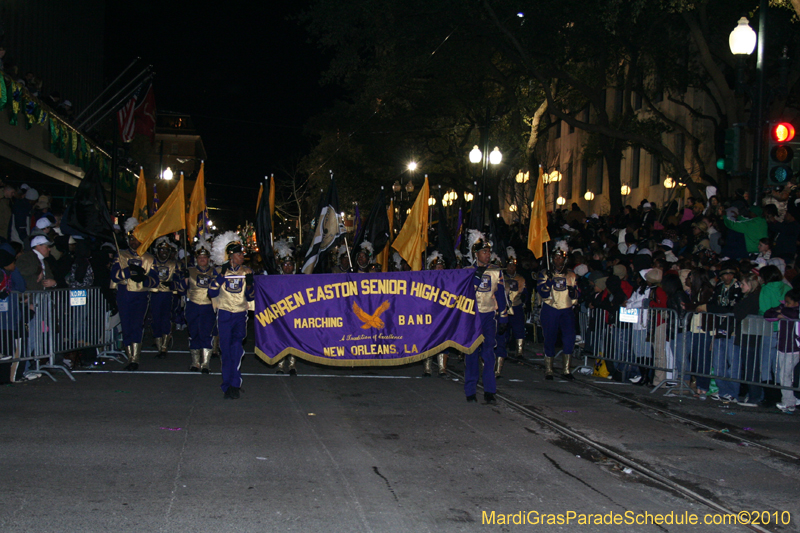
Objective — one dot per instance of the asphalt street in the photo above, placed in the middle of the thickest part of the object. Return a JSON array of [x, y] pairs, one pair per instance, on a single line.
[[365, 450]]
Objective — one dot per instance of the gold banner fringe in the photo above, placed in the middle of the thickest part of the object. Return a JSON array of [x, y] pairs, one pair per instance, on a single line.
[[399, 361]]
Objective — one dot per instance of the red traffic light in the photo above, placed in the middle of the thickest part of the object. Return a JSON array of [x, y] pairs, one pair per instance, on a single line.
[[783, 132]]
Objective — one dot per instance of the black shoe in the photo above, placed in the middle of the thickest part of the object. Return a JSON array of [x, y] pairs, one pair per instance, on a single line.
[[228, 394], [426, 374], [489, 399], [471, 399], [549, 377], [204, 371], [132, 367], [279, 372], [161, 355], [292, 372], [234, 392], [568, 377], [194, 369]]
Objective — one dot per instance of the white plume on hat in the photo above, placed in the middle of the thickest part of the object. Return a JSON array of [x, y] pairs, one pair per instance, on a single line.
[[282, 249], [398, 261], [511, 253], [130, 224], [561, 246], [341, 251], [434, 256], [201, 243], [367, 247], [221, 242], [473, 236]]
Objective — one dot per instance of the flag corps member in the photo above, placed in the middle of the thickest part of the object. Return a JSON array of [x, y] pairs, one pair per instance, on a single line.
[[161, 298], [491, 300], [559, 293], [134, 275], [199, 310], [286, 265], [232, 289], [515, 287], [435, 261]]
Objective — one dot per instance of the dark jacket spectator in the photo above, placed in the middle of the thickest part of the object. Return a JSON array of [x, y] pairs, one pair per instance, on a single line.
[[33, 267]]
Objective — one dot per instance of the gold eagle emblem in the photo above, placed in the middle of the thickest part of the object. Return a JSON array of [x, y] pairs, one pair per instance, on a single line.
[[373, 320]]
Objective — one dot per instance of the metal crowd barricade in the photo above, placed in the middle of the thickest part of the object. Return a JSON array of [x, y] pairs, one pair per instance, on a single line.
[[35, 326], [764, 355], [631, 340]]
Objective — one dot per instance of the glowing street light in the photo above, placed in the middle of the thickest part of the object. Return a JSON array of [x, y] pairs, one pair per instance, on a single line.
[[625, 190], [523, 177], [742, 39], [475, 155], [513, 208], [669, 183], [495, 157], [412, 166], [589, 196], [431, 201], [468, 196], [167, 174], [561, 200]]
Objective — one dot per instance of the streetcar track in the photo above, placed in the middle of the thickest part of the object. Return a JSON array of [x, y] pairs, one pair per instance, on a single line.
[[725, 432], [639, 467]]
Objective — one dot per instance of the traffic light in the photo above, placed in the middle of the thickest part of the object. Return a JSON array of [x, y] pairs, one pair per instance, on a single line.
[[781, 153], [730, 163]]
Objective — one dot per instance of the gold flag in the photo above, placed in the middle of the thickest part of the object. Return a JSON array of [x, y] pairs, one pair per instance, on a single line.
[[197, 203], [537, 233], [271, 197], [171, 217], [413, 238], [140, 204]]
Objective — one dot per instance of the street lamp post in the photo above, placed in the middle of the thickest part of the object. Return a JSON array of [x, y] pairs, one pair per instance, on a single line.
[[476, 156], [742, 40]]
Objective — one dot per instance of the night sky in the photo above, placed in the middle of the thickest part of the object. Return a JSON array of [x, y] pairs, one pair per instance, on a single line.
[[248, 77]]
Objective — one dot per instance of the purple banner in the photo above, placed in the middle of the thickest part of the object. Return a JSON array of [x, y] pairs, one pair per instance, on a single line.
[[366, 319]]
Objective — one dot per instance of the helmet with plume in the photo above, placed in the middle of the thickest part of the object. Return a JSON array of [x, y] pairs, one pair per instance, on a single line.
[[224, 245], [435, 258]]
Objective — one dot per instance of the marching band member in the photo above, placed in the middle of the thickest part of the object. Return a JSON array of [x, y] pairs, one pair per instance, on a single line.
[[199, 310], [161, 295], [232, 289], [363, 257], [515, 287], [559, 292], [134, 275], [435, 261], [342, 266], [491, 301], [286, 264]]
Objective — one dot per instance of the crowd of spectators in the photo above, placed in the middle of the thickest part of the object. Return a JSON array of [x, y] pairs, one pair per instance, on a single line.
[[723, 256], [32, 84], [35, 255]]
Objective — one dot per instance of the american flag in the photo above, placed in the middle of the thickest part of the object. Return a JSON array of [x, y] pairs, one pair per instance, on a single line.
[[125, 119], [138, 113]]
